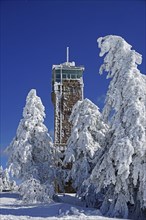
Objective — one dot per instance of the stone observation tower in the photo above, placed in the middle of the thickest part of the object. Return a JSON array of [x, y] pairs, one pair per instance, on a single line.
[[67, 89]]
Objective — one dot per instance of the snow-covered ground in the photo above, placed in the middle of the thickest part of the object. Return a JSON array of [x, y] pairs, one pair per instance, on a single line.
[[68, 207]]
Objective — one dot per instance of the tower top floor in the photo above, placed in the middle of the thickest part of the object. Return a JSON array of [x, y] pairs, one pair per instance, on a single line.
[[66, 71]]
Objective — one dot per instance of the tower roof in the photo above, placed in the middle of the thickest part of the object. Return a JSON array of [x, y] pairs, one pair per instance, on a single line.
[[68, 65]]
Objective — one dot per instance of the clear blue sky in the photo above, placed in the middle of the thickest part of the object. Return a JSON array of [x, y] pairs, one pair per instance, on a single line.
[[34, 36]]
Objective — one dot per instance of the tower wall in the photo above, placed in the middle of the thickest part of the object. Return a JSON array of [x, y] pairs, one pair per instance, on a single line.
[[67, 89]]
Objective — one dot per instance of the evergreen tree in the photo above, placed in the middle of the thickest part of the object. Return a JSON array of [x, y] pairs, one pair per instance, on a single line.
[[32, 191], [121, 171], [6, 184], [31, 152], [87, 137]]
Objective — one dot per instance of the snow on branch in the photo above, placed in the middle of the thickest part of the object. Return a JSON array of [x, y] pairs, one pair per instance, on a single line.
[[118, 55]]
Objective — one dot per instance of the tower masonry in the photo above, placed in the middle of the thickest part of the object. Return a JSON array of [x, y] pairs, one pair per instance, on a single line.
[[67, 89]]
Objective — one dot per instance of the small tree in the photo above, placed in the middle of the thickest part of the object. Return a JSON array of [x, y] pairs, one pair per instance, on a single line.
[[87, 137], [6, 184], [122, 169], [32, 191], [31, 152]]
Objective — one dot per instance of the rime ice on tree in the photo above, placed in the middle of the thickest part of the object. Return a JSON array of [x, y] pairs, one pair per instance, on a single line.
[[67, 89], [5, 183], [31, 150], [87, 138], [122, 169], [31, 153]]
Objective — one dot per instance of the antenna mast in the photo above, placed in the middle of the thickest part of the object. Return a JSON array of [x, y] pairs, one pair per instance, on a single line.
[[67, 55]]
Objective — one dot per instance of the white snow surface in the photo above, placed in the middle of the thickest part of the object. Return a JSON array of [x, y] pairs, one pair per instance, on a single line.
[[69, 207]]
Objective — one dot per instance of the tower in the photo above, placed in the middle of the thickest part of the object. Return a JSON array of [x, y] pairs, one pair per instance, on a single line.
[[67, 89]]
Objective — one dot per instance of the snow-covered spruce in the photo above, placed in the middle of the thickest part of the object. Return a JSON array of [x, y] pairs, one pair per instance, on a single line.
[[32, 191], [6, 184], [122, 169], [87, 137], [31, 152]]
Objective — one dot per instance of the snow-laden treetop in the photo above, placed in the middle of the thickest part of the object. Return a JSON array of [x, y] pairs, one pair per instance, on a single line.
[[82, 109], [34, 107], [119, 55], [31, 150], [88, 129], [128, 84]]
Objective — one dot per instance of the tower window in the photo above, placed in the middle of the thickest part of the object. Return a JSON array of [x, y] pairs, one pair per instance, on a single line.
[[64, 76], [73, 76], [57, 77]]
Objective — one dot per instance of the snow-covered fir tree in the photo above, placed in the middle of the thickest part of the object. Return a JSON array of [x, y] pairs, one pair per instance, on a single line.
[[121, 171], [6, 184], [87, 137], [32, 191], [31, 152]]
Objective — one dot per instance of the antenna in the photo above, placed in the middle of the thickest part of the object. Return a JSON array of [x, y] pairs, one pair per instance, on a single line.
[[67, 55]]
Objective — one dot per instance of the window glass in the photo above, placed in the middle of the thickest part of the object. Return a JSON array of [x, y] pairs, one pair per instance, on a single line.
[[73, 76], [57, 75], [57, 71], [67, 74], [64, 76], [78, 74]]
